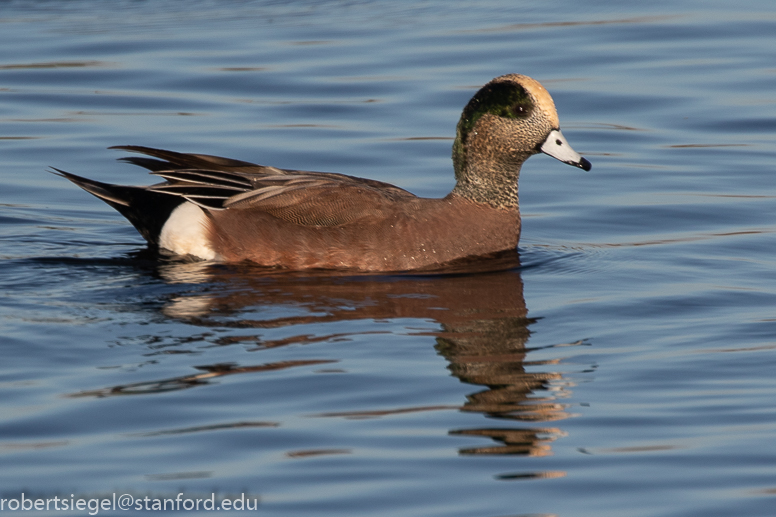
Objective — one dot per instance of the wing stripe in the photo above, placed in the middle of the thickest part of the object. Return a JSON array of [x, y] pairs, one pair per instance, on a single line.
[[300, 197]]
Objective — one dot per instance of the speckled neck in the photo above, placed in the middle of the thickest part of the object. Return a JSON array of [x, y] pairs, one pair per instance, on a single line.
[[502, 125], [492, 182]]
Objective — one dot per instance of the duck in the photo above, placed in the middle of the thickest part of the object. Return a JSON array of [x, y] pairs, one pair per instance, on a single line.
[[223, 210]]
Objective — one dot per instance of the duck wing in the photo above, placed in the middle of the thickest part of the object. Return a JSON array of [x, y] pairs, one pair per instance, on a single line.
[[300, 197]]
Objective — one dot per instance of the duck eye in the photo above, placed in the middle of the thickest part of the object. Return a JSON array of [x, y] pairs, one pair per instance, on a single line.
[[520, 110]]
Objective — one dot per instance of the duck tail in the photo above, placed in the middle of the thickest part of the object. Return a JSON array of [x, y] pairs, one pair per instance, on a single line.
[[145, 209]]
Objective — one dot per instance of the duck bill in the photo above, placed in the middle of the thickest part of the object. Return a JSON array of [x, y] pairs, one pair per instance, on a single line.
[[556, 146]]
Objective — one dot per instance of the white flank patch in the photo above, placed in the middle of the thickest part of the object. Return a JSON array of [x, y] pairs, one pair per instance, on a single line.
[[185, 233]]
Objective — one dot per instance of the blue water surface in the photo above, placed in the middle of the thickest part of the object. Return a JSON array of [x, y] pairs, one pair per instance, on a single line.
[[625, 368]]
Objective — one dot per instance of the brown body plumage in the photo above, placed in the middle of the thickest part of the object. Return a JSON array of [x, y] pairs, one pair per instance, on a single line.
[[227, 210]]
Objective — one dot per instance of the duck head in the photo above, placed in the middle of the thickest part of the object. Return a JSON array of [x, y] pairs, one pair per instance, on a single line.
[[509, 119]]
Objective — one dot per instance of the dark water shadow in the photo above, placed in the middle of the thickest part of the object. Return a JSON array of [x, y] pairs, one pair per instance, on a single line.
[[483, 330]]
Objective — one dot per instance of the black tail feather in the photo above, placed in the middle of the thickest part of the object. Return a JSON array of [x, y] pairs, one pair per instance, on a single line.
[[147, 210], [182, 160], [147, 163]]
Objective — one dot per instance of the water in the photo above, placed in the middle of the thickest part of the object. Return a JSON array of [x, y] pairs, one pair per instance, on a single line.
[[625, 369]]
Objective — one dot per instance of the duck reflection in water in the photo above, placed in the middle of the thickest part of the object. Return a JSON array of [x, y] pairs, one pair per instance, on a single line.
[[483, 331]]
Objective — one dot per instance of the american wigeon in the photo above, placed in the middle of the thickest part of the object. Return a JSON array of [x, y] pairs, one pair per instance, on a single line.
[[227, 210]]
